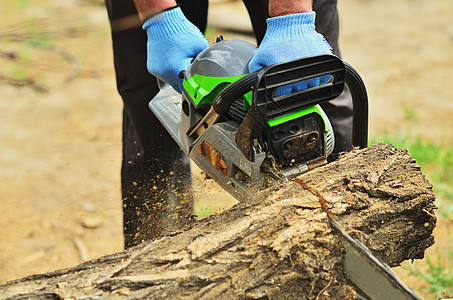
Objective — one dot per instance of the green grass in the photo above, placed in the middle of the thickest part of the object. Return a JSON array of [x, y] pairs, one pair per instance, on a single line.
[[436, 272], [204, 212], [20, 4]]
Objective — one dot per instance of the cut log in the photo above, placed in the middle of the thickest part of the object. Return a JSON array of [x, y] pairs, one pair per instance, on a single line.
[[278, 245]]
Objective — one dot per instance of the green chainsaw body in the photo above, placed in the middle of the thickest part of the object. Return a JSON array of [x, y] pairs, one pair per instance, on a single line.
[[235, 128]]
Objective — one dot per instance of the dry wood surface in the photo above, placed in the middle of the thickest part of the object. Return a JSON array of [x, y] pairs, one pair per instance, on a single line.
[[278, 245]]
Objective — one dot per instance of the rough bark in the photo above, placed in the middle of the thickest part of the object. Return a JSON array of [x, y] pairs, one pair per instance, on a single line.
[[278, 245]]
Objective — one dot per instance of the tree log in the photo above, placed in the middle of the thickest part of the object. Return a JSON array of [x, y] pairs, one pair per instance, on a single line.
[[278, 245]]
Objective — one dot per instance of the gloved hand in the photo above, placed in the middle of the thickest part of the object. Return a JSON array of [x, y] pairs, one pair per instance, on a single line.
[[287, 38], [173, 41]]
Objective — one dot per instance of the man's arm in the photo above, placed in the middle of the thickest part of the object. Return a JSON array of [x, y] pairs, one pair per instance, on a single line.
[[148, 8], [285, 7]]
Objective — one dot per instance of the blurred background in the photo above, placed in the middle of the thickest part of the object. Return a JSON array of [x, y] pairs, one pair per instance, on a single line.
[[60, 123]]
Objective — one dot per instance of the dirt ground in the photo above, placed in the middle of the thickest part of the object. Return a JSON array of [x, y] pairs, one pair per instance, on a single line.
[[60, 115]]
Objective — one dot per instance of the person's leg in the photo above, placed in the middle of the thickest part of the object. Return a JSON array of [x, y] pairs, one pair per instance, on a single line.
[[196, 11], [338, 110], [155, 174], [327, 21], [258, 12]]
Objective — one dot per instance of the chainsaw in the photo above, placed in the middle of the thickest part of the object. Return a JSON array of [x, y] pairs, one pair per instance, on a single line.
[[246, 135], [240, 132]]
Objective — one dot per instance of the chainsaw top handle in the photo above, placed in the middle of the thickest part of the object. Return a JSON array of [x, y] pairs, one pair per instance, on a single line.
[[264, 83]]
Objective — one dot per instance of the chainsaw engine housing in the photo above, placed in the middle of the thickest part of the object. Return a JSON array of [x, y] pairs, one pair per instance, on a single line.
[[295, 137], [236, 130]]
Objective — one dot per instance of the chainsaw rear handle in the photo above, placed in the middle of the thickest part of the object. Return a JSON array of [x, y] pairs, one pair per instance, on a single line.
[[265, 82]]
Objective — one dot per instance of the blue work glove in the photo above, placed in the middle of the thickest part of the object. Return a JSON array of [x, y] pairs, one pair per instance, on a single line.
[[173, 41], [287, 38]]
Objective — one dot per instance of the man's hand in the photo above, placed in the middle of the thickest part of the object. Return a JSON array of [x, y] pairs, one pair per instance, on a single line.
[[173, 41], [290, 37]]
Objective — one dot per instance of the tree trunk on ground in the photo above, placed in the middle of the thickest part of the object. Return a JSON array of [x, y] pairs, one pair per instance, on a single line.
[[278, 245]]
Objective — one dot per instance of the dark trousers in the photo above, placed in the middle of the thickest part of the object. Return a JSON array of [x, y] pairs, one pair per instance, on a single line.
[[155, 174]]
